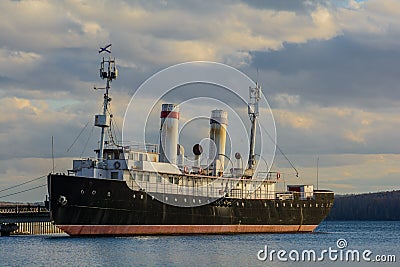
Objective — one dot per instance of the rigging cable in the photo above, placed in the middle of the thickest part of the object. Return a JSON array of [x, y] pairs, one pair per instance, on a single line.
[[73, 143], [23, 183], [112, 132], [280, 150], [87, 141], [22, 191]]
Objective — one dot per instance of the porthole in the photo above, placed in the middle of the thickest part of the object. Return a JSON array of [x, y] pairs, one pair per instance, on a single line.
[[291, 205], [134, 196], [176, 199], [94, 192], [284, 204], [166, 198], [185, 200], [194, 200], [109, 194], [199, 200], [316, 205], [82, 192], [141, 196], [265, 204], [304, 205], [277, 205]]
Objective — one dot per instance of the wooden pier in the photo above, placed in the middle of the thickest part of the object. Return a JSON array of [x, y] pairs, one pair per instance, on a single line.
[[30, 219]]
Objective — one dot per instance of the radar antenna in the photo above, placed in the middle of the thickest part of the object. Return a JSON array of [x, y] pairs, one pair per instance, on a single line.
[[108, 72]]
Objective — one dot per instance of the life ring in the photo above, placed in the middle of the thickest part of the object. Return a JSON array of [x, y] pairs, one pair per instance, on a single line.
[[278, 175], [62, 200], [117, 165]]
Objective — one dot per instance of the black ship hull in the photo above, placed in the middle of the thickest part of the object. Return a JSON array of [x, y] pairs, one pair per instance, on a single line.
[[91, 206]]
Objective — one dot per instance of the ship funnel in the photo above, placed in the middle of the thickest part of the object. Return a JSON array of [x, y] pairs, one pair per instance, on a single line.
[[218, 124], [169, 133]]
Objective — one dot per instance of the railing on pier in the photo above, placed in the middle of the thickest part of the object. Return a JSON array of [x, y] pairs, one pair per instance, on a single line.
[[31, 219], [22, 208], [37, 228]]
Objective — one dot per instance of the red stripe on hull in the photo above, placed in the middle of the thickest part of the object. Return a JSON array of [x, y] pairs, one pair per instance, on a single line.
[[180, 229]]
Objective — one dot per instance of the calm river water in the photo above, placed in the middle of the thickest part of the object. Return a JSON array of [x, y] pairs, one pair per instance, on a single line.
[[371, 241]]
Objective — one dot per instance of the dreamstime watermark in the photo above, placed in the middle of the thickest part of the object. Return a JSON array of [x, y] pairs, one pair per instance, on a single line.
[[338, 253]]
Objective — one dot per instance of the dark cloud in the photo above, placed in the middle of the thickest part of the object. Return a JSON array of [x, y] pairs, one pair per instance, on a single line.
[[288, 5], [337, 72]]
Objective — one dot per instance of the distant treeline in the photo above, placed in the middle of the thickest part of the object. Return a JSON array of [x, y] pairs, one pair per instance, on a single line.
[[372, 206]]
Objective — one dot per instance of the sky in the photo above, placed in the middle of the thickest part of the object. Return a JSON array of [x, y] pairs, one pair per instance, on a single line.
[[328, 69]]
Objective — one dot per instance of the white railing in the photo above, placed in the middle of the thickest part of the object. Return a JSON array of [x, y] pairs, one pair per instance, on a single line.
[[204, 186]]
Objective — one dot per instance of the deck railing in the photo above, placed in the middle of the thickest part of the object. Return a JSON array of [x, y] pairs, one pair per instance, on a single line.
[[203, 186]]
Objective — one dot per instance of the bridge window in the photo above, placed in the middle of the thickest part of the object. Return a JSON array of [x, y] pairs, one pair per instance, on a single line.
[[114, 175]]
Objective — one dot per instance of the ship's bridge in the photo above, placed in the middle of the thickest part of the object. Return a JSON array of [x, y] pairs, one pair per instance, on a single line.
[[114, 165]]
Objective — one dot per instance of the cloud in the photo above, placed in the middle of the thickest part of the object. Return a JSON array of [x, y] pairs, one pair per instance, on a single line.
[[345, 173], [292, 119], [315, 129], [163, 33], [328, 68]]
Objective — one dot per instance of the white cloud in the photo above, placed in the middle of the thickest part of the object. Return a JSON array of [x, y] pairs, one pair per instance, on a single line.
[[372, 22], [15, 63], [47, 72], [161, 34]]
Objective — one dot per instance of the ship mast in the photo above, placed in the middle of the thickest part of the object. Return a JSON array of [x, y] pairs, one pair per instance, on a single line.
[[253, 114], [108, 71]]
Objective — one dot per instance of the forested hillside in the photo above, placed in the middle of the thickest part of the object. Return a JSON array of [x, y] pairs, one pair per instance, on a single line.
[[372, 206]]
